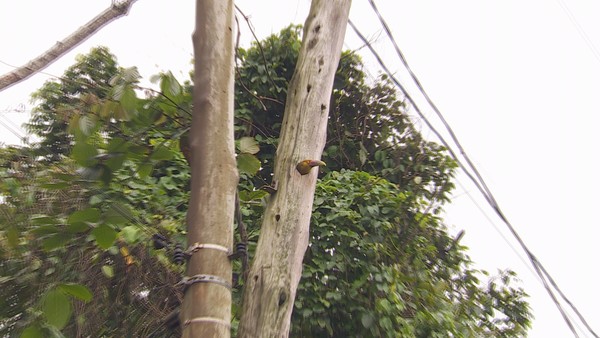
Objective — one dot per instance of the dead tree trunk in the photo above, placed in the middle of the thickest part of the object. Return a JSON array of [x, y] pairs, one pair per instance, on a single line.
[[116, 10], [206, 310], [275, 273]]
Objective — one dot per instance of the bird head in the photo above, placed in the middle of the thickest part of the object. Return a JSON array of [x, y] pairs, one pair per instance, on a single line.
[[304, 167]]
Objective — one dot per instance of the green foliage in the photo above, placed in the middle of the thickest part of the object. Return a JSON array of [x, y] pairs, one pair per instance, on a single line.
[[367, 130], [76, 229], [57, 308], [67, 266], [377, 267], [59, 100], [76, 290]]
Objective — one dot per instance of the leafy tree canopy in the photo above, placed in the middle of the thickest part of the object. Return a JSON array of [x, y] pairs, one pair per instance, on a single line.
[[78, 256], [58, 101]]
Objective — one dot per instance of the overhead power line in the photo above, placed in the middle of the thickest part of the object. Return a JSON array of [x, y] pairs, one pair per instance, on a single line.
[[479, 182], [580, 29]]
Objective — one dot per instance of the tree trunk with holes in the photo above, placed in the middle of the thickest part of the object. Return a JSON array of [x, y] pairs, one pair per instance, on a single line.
[[275, 273], [206, 309]]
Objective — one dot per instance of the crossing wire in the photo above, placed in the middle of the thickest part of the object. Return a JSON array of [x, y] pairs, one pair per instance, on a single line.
[[480, 182]]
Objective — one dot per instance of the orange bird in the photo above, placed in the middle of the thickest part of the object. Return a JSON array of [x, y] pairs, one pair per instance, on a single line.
[[304, 167]]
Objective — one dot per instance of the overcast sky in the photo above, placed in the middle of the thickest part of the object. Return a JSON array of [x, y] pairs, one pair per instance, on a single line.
[[518, 81]]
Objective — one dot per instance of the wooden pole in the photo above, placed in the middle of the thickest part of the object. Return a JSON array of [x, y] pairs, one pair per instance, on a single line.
[[206, 310]]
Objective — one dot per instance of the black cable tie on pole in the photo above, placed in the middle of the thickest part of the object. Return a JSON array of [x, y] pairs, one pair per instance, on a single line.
[[178, 255], [241, 250], [159, 241], [186, 282]]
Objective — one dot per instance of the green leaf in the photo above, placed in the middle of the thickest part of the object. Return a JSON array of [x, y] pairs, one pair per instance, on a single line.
[[249, 145], [144, 169], [169, 86], [155, 78], [362, 153], [161, 153], [55, 241], [129, 102], [84, 153], [246, 195], [105, 110], [117, 145], [115, 161], [105, 236], [117, 214], [78, 227], [56, 308], [318, 201], [77, 290], [45, 229], [167, 183], [87, 124], [118, 90], [91, 215], [248, 164], [380, 155], [131, 74], [367, 320], [108, 271], [96, 199], [386, 323], [32, 332], [106, 174], [92, 173], [131, 234]]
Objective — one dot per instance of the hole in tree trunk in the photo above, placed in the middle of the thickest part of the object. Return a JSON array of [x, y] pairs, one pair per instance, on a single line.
[[282, 298]]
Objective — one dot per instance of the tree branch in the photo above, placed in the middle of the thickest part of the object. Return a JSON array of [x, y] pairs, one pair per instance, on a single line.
[[115, 11]]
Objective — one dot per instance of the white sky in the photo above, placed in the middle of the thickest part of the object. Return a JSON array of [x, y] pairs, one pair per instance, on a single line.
[[518, 81]]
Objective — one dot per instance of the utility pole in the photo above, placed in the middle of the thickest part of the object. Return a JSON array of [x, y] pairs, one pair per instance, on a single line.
[[206, 309]]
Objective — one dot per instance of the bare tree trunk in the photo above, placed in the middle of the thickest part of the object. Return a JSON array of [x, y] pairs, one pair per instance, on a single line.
[[115, 11], [275, 273], [206, 310]]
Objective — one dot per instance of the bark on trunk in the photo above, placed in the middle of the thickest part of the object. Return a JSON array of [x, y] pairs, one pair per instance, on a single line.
[[273, 279], [206, 310]]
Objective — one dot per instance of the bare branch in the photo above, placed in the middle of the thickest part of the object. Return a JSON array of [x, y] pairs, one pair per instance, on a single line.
[[115, 11]]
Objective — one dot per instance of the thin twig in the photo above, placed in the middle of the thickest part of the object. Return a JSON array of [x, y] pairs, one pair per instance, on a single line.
[[262, 52]]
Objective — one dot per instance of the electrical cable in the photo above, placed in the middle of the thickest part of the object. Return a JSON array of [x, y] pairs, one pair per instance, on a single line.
[[9, 128], [489, 219], [580, 29], [483, 187], [471, 177]]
